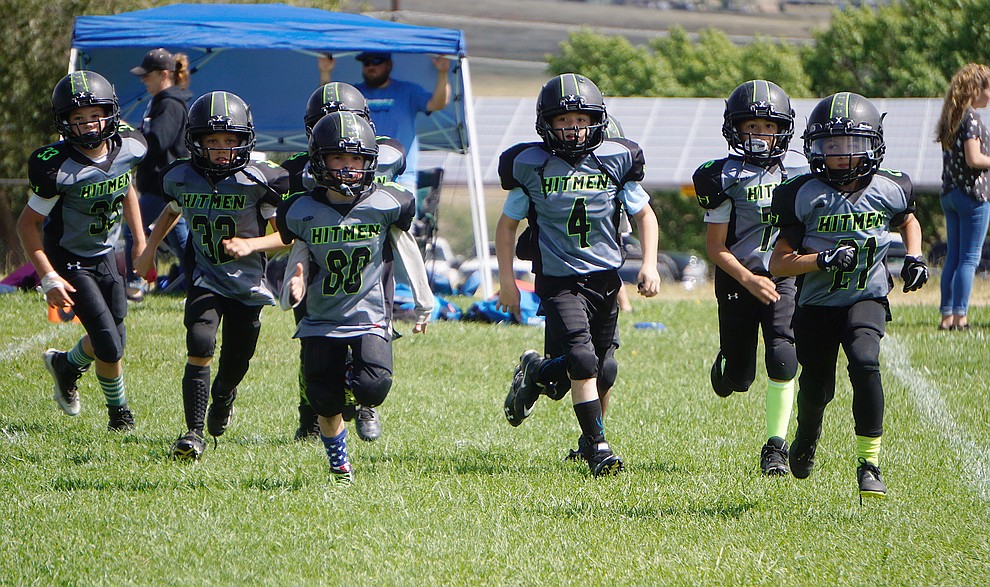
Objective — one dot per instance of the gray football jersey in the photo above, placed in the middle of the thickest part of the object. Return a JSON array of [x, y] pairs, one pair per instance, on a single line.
[[750, 188], [86, 220], [574, 206], [214, 213], [349, 249], [813, 216]]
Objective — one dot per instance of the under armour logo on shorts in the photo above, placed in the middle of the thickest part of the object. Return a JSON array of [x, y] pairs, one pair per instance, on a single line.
[[732, 296], [76, 265]]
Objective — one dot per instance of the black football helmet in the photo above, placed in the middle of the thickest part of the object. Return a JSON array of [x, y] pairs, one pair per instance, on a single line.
[[343, 132], [220, 112], [844, 125], [571, 92], [758, 99], [334, 97], [80, 89]]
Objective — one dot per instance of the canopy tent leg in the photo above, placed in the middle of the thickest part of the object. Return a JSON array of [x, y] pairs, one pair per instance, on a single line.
[[476, 190]]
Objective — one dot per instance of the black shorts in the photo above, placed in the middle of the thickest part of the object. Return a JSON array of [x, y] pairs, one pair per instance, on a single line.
[[580, 310], [325, 369], [741, 316], [99, 301]]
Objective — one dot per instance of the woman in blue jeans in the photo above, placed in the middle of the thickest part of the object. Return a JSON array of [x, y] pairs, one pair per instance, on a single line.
[[965, 141]]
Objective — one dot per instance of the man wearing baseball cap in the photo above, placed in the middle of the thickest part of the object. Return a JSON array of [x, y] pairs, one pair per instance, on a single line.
[[394, 103]]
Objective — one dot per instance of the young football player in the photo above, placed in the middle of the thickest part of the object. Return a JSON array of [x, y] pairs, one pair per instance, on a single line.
[[835, 228], [228, 202], [82, 187], [338, 97], [348, 228], [735, 193], [572, 188]]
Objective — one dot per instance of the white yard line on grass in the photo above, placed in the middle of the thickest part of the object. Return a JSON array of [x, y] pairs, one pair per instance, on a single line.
[[929, 401], [33, 344]]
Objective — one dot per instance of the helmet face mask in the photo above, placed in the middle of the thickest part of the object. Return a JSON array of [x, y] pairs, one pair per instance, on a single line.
[[220, 112], [843, 141], [334, 97], [347, 136], [758, 99], [82, 89], [568, 94]]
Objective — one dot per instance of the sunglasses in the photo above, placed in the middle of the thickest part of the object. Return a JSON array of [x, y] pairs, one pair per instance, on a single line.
[[375, 61]]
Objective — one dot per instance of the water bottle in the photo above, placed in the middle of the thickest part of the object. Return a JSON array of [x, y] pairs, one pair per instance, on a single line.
[[650, 326]]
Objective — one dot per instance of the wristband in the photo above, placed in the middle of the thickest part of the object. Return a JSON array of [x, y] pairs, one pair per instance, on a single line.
[[50, 281]]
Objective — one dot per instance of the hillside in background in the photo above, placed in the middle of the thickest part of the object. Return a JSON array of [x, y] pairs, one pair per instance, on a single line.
[[508, 40]]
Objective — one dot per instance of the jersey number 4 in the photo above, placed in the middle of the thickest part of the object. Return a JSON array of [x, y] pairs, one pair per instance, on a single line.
[[578, 224]]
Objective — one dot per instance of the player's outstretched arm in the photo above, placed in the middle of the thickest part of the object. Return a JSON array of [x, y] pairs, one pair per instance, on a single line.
[[164, 224], [408, 253]]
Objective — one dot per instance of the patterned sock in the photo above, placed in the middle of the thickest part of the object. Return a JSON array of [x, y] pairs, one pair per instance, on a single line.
[[78, 358], [589, 416], [113, 390], [780, 400], [868, 448], [336, 448]]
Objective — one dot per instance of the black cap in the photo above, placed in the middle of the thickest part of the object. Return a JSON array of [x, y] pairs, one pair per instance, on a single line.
[[379, 56], [155, 60]]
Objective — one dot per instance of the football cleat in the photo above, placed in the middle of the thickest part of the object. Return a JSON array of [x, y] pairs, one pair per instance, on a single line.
[[802, 455], [773, 457], [189, 446], [219, 415], [523, 391], [580, 452], [369, 426], [602, 461], [121, 418], [309, 423], [870, 482], [717, 384], [65, 376], [342, 476]]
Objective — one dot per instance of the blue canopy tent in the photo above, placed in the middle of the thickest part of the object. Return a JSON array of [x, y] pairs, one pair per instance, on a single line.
[[266, 53]]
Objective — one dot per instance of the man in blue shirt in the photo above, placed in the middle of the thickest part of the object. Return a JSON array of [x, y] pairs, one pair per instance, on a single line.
[[394, 103]]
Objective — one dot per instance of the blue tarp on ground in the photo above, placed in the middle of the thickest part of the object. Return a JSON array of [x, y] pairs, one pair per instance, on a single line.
[[266, 53]]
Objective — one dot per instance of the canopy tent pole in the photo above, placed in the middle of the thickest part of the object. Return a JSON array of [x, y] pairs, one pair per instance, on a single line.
[[476, 189]]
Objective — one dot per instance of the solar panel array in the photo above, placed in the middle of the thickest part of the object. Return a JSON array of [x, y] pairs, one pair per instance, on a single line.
[[679, 134]]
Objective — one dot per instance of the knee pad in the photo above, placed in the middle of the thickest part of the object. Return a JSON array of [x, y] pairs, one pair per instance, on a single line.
[[323, 402], [863, 354], [231, 369], [582, 363], [781, 360], [371, 391], [107, 345], [607, 374]]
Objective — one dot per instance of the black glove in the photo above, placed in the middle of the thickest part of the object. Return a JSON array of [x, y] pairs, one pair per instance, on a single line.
[[838, 259], [914, 273]]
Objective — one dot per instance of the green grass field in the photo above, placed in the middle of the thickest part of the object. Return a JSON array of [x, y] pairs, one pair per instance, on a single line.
[[452, 495]]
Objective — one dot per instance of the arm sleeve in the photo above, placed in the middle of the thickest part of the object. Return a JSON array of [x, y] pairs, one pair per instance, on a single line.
[[720, 215], [516, 204], [634, 197], [408, 253]]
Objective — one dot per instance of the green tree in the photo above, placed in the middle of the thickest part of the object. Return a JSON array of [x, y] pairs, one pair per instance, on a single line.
[[909, 48]]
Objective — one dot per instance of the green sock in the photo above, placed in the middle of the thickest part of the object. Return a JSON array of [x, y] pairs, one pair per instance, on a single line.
[[113, 390], [780, 400], [868, 448], [78, 358]]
